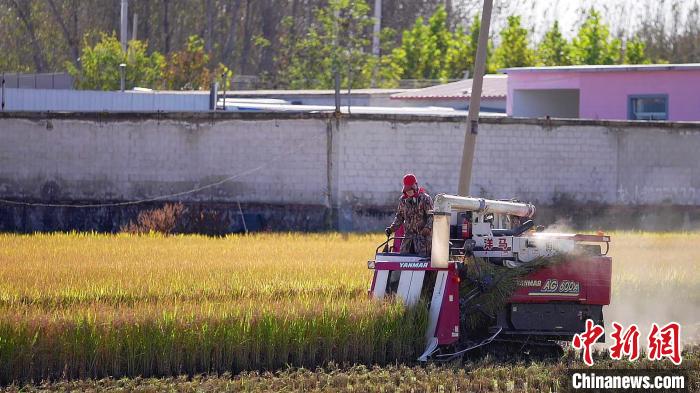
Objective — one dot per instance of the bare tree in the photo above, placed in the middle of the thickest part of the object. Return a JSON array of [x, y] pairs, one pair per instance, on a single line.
[[70, 32], [166, 26], [229, 45], [209, 26], [23, 9], [247, 37], [271, 15]]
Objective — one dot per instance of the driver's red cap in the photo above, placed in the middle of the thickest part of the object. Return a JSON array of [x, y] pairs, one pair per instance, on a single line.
[[408, 181]]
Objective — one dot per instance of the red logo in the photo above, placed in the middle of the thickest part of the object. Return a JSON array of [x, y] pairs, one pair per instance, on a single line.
[[626, 344], [586, 339], [665, 342]]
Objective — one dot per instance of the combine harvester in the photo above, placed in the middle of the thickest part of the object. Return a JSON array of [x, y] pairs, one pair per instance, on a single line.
[[566, 280], [492, 282]]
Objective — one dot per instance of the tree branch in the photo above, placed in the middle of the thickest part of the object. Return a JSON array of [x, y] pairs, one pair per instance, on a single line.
[[70, 39]]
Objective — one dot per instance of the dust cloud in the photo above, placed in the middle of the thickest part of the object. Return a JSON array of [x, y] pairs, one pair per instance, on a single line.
[[660, 308], [655, 279]]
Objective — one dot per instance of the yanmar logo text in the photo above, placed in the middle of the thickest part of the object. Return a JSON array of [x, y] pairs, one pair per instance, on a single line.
[[413, 265], [529, 283]]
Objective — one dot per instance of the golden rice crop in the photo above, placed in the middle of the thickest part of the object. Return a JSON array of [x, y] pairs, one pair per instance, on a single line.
[[91, 305], [656, 279], [655, 263]]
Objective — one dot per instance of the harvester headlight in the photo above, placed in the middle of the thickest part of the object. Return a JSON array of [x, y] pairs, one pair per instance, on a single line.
[[370, 264]]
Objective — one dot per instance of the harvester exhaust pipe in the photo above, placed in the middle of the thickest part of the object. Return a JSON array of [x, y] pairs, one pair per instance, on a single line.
[[445, 204]]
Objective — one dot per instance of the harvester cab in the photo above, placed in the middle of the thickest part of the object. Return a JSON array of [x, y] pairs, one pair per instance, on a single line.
[[549, 283]]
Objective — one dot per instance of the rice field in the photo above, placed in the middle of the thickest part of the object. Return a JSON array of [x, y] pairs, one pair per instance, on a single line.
[[90, 306], [481, 376]]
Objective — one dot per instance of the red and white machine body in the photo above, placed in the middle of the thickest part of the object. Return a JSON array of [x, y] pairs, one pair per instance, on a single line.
[[549, 304]]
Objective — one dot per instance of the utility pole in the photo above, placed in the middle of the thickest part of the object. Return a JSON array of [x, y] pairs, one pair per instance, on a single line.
[[377, 26], [375, 38], [135, 27], [124, 24], [336, 66], [465, 173]]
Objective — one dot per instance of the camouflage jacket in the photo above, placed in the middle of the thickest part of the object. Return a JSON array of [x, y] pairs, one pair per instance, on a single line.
[[414, 216]]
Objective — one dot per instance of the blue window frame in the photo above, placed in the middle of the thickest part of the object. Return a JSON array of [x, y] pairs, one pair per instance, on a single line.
[[647, 107]]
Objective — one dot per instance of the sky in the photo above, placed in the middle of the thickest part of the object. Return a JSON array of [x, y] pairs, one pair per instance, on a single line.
[[619, 14]]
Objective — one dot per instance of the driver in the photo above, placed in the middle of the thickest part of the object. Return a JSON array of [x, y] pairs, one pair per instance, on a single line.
[[413, 213]]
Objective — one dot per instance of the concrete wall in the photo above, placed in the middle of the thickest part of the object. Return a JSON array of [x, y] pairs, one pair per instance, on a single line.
[[350, 167], [141, 158]]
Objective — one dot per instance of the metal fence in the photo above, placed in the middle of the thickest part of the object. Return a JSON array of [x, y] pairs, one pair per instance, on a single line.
[[54, 100], [55, 80]]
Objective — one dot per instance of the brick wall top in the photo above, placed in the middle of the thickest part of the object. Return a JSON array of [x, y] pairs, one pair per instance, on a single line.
[[225, 116]]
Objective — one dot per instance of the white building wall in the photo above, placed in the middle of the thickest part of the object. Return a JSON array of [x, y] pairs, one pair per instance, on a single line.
[[561, 103]]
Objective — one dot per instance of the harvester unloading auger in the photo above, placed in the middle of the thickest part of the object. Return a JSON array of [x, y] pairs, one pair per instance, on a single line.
[[555, 282]]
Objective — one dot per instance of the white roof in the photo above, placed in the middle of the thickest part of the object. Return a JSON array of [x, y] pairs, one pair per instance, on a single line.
[[240, 106], [495, 86], [309, 92], [606, 68]]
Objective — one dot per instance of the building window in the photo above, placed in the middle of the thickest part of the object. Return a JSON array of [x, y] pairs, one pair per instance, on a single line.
[[648, 107]]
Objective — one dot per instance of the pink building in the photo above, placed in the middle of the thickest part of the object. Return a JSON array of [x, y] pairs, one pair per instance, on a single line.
[[621, 92]]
